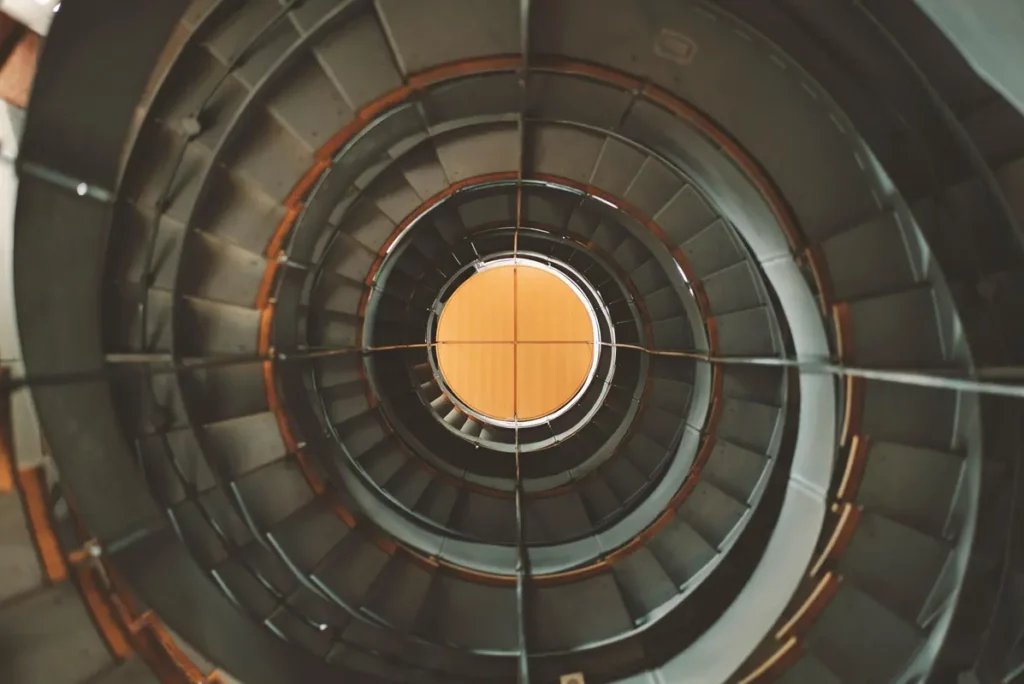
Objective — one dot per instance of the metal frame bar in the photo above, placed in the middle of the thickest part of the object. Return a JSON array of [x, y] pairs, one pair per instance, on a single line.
[[163, 364]]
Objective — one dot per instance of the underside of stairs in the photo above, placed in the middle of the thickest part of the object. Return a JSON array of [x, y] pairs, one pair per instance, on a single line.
[[229, 451]]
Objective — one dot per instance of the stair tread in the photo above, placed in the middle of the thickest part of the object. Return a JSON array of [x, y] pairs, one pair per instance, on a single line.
[[574, 614], [354, 564], [858, 637], [48, 636], [20, 571], [653, 187], [553, 519], [308, 104], [685, 215], [274, 492], [897, 565], [913, 485], [399, 593], [471, 615], [748, 423], [681, 550], [733, 288], [245, 444], [645, 584], [735, 469], [713, 249], [809, 670], [309, 534], [712, 512], [132, 671], [746, 333], [471, 30], [896, 328], [869, 259]]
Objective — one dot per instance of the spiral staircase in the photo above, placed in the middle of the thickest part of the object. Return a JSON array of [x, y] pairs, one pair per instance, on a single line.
[[798, 223]]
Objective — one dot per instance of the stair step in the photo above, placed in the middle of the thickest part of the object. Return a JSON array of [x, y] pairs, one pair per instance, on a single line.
[[870, 259], [857, 636], [470, 30], [552, 519], [646, 454], [235, 35], [398, 593], [631, 254], [352, 568], [909, 415], [349, 258], [308, 535], [269, 157], [489, 518], [654, 186], [227, 392], [409, 484], [685, 215], [809, 670], [307, 103], [649, 278], [896, 565], [209, 328], [560, 97], [337, 294], [746, 333], [664, 304], [624, 478], [245, 444], [471, 615], [609, 235], [671, 335], [681, 550], [751, 383], [487, 150], [438, 501], [617, 167], [360, 433], [912, 485], [338, 370], [713, 249], [644, 583], [712, 512], [748, 423], [598, 496], [241, 214], [132, 671], [669, 394], [384, 460], [346, 401], [216, 270], [896, 329], [735, 469], [734, 288], [274, 492], [20, 572], [192, 519], [48, 636], [660, 426], [564, 617]]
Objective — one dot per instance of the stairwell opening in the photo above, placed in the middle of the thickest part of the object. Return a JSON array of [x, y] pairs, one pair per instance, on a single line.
[[517, 343]]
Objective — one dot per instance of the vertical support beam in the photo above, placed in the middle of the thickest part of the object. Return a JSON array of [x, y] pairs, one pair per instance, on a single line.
[[522, 574], [524, 68], [522, 561]]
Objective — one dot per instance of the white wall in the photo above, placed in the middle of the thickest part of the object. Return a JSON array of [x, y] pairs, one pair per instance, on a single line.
[[27, 438]]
